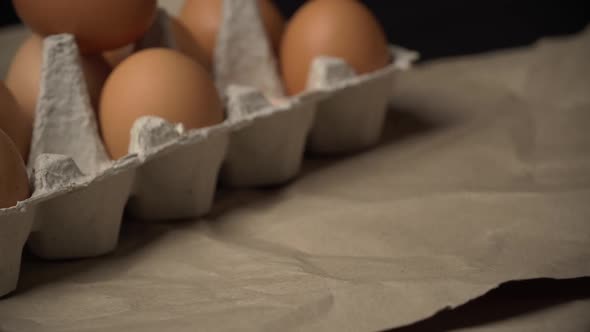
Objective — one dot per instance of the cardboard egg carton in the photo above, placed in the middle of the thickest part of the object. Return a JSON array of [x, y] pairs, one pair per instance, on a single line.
[[80, 195]]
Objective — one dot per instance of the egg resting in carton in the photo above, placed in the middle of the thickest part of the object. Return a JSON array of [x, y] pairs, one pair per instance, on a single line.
[[80, 194]]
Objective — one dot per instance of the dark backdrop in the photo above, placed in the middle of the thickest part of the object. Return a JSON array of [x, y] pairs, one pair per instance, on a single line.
[[7, 15], [441, 28], [449, 27]]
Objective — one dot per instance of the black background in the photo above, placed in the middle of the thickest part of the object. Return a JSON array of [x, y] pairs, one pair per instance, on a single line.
[[442, 28], [7, 15]]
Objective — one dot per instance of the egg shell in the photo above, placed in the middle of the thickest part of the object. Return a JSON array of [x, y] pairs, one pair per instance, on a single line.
[[183, 41], [186, 44], [14, 181], [98, 25], [15, 122], [166, 83], [341, 29], [62, 182], [116, 56]]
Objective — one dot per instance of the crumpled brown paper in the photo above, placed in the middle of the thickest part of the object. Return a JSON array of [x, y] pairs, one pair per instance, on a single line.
[[483, 176]]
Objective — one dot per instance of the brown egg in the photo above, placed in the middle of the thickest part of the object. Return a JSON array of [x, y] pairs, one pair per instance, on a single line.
[[345, 29], [24, 74], [98, 25], [158, 82], [185, 43], [14, 181], [203, 19], [14, 122], [115, 57]]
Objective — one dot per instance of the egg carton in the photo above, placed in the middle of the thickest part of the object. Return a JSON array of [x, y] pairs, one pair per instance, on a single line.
[[80, 195]]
